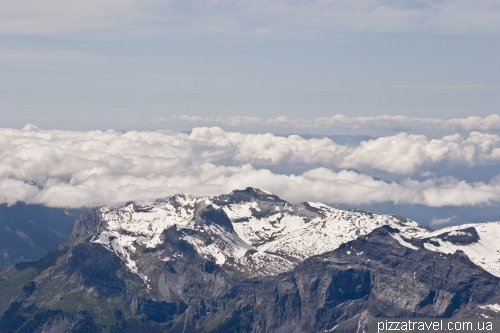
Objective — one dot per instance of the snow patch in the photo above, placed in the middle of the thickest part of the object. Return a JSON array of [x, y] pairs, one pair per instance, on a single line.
[[484, 253], [318, 205], [403, 242], [272, 238], [492, 307]]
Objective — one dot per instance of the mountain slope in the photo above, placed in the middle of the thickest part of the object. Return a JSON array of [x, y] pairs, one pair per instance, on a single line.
[[479, 241], [260, 234], [29, 232], [191, 264], [84, 287], [252, 229]]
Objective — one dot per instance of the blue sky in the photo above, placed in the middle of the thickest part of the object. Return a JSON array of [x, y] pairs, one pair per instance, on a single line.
[[109, 64], [371, 67]]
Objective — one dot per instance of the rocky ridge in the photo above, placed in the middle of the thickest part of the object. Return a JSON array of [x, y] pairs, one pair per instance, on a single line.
[[260, 234], [252, 229], [249, 262]]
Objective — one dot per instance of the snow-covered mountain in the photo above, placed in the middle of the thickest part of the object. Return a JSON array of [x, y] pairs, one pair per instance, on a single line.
[[479, 241], [260, 234], [210, 264]]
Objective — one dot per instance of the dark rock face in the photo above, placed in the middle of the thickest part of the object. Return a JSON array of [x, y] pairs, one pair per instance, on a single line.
[[216, 216], [350, 284], [266, 202], [84, 287], [159, 312], [96, 268], [247, 195], [87, 225], [464, 237]]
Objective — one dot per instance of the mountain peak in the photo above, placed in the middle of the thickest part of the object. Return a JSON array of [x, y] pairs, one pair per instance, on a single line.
[[250, 194], [263, 235], [253, 229]]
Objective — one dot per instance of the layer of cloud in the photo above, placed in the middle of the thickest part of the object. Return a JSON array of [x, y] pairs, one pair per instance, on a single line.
[[72, 169], [387, 123], [398, 154], [247, 18], [439, 222]]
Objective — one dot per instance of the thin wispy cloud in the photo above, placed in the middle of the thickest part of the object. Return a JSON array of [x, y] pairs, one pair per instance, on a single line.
[[443, 221], [73, 169], [246, 18], [40, 56], [385, 122]]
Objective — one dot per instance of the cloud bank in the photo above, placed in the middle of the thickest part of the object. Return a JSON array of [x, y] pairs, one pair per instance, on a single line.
[[258, 18], [387, 123], [74, 169]]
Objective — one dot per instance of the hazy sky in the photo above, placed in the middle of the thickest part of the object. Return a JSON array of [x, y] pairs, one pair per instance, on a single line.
[[213, 73], [119, 64]]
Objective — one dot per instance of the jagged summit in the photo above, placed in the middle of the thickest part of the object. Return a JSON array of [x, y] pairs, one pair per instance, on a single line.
[[260, 234], [252, 229], [247, 195]]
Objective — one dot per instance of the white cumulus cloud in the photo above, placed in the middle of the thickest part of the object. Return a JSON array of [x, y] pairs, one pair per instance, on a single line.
[[73, 169]]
